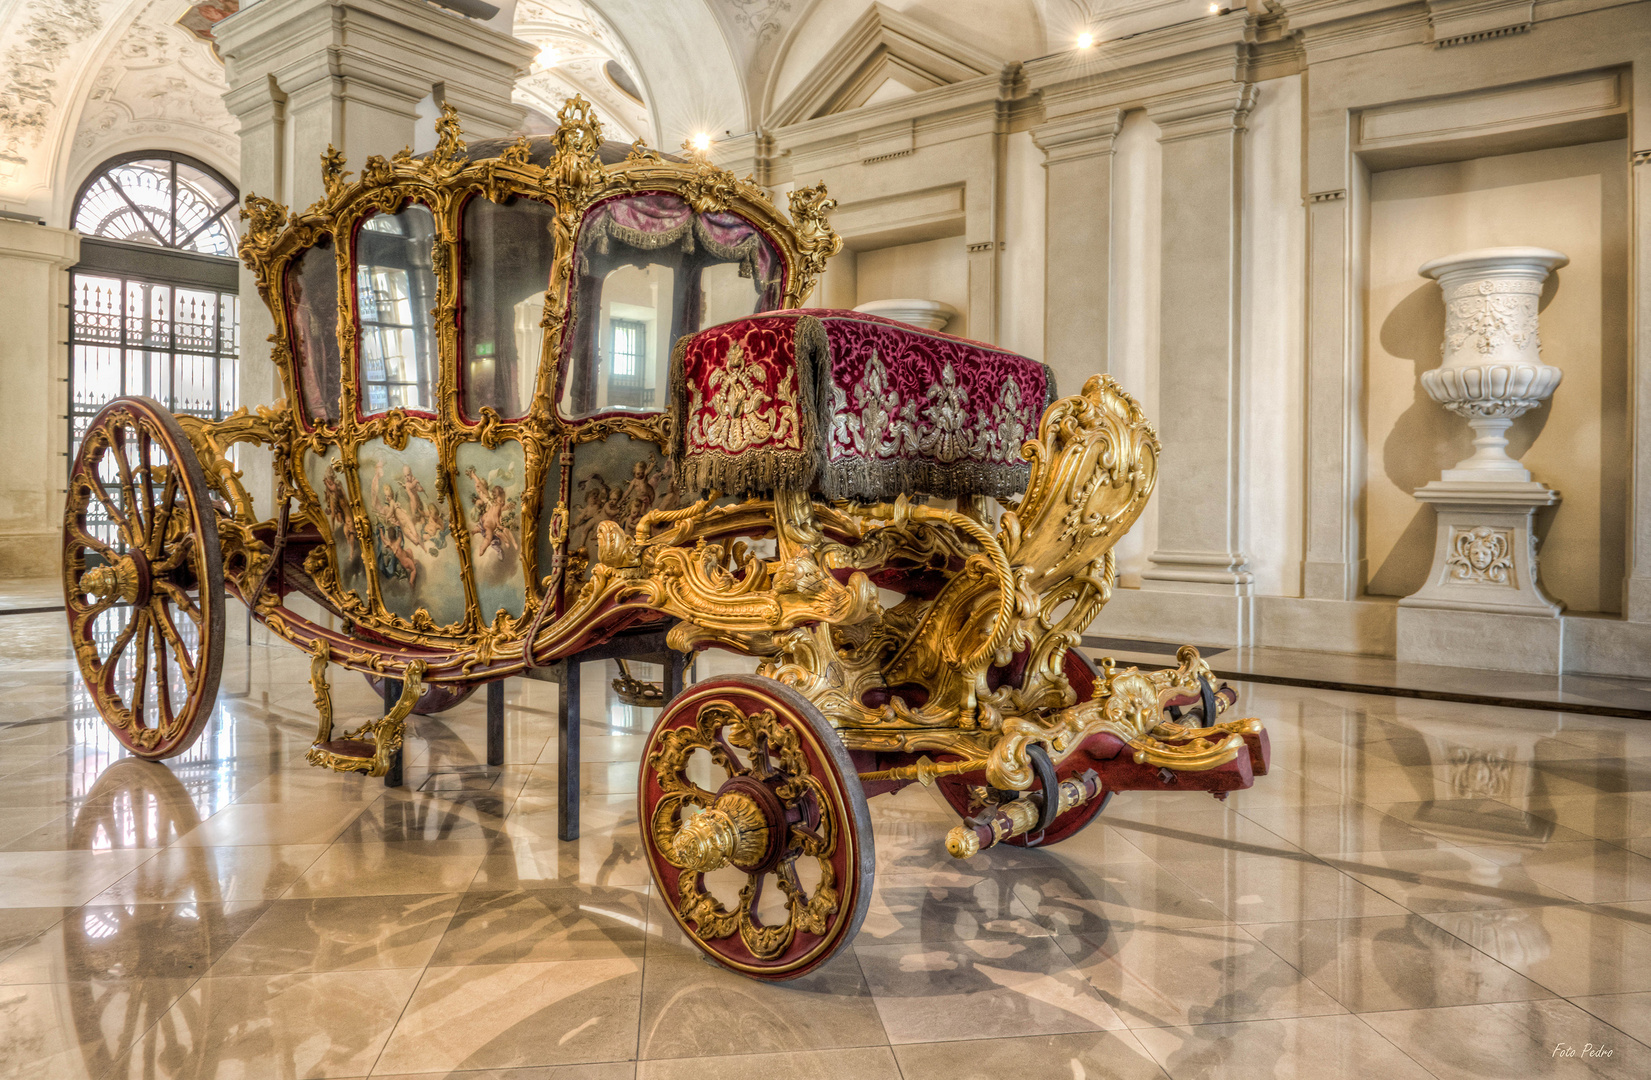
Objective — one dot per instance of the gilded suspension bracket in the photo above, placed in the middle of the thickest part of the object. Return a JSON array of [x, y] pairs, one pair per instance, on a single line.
[[370, 748]]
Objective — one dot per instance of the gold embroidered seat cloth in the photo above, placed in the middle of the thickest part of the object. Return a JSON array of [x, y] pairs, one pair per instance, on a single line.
[[851, 405]]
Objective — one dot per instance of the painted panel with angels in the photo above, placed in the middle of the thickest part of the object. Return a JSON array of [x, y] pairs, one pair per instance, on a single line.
[[332, 491], [490, 494], [618, 479], [412, 524]]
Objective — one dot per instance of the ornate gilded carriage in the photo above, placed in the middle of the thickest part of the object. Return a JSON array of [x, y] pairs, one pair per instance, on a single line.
[[544, 392]]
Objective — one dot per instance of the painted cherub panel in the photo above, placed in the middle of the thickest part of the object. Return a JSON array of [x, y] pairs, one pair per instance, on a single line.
[[331, 490], [620, 480], [412, 523], [490, 494]]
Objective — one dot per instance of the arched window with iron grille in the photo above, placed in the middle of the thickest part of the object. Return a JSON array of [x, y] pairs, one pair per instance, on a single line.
[[154, 308]]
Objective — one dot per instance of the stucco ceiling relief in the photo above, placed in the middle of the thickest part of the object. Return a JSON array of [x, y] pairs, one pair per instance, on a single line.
[[39, 48], [576, 46], [161, 81]]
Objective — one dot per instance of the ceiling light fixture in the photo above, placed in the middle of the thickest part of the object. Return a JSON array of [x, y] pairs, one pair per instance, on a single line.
[[701, 142], [548, 56], [1086, 40]]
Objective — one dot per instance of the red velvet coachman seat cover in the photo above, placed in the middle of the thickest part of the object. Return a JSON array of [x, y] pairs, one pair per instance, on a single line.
[[854, 406]]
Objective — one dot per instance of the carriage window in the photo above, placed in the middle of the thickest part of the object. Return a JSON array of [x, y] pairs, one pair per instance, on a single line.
[[647, 271], [509, 249], [395, 286], [312, 315]]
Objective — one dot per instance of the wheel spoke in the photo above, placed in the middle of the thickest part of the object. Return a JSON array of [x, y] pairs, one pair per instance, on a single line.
[[148, 490], [85, 539], [140, 666], [163, 619], [174, 558], [136, 528], [116, 514], [181, 599], [84, 612], [163, 688], [163, 513], [124, 638]]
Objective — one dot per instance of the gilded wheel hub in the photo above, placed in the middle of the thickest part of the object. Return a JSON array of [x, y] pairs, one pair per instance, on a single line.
[[123, 580], [742, 828]]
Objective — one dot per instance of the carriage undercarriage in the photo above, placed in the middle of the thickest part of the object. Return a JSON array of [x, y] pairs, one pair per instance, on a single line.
[[898, 640]]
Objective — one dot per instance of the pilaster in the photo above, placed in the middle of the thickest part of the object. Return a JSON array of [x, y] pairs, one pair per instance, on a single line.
[[1078, 240], [1637, 590], [308, 74], [1199, 341], [33, 279]]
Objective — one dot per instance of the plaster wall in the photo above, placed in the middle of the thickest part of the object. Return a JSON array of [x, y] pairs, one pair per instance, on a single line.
[[931, 270], [1573, 199]]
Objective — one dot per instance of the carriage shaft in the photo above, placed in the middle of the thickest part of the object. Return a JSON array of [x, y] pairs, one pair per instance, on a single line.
[[1021, 816]]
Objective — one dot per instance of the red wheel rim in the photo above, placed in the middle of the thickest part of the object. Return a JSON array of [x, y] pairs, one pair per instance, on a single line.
[[143, 578], [811, 776]]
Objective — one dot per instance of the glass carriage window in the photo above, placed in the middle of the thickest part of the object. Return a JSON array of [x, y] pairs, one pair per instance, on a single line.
[[311, 285], [395, 291], [153, 307], [507, 254], [648, 270]]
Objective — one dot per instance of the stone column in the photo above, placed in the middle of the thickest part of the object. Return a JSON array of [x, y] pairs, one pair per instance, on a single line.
[[34, 261], [1200, 550], [306, 74], [1637, 590], [1078, 239], [1332, 568]]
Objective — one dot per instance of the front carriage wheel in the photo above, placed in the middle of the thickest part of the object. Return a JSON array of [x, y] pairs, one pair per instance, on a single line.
[[143, 578], [756, 826]]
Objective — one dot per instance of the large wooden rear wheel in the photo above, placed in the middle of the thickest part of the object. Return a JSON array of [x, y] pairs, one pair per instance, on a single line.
[[143, 578], [756, 826]]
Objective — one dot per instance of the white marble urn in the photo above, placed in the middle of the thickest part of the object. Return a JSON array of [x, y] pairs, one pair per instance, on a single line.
[[923, 314], [1493, 370], [1485, 549]]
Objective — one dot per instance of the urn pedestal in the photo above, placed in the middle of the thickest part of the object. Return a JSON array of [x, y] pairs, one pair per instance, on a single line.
[[1485, 552], [923, 314]]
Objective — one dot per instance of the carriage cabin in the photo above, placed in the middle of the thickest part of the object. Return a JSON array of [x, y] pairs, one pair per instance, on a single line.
[[466, 359]]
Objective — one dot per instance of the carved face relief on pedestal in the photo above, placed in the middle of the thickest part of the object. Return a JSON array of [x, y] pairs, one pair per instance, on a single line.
[[1480, 556]]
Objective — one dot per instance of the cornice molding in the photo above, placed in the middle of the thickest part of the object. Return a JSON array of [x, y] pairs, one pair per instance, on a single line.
[[1463, 22], [1133, 69], [1210, 110], [1078, 136], [944, 111]]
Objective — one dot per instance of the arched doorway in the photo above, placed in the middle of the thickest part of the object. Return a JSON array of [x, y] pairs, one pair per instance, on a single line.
[[154, 308]]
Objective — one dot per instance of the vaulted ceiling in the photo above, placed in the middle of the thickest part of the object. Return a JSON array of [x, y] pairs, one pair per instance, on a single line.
[[81, 80]]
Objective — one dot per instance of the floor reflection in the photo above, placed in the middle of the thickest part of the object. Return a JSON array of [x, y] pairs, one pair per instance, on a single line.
[[1414, 884]]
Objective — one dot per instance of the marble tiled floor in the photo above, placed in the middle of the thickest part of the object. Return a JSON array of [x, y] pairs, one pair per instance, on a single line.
[[1418, 889]]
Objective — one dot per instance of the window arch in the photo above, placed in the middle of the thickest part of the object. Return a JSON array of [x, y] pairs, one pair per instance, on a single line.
[[161, 198]]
